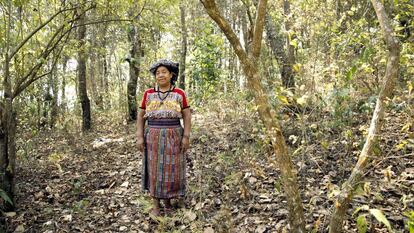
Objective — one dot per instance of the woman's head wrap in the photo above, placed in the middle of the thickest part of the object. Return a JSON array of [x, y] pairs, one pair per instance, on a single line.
[[170, 65]]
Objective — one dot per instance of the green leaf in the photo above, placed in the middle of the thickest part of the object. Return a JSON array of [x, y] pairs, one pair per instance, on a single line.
[[381, 218], [350, 73], [283, 99], [5, 197], [364, 207], [294, 43], [362, 224]]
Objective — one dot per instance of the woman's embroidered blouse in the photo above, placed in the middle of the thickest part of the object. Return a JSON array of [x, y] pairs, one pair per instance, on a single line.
[[156, 107]]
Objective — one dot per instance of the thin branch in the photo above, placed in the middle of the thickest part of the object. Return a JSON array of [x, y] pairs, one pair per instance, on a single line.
[[48, 49], [3, 7], [213, 11], [249, 13], [33, 78], [142, 9], [24, 41], [43, 56], [258, 29], [103, 21]]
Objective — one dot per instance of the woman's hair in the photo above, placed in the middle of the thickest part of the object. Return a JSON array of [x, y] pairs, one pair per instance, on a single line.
[[172, 67]]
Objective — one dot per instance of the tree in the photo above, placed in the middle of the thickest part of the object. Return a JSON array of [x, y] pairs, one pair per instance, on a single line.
[[183, 51], [134, 60], [82, 90], [282, 46], [267, 115], [345, 196], [14, 85]]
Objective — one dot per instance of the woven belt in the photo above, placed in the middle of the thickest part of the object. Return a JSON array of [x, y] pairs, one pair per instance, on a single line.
[[164, 123]]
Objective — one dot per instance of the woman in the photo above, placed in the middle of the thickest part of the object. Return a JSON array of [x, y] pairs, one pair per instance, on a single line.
[[164, 142]]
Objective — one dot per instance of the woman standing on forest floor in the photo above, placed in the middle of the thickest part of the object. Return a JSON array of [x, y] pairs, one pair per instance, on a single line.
[[164, 142]]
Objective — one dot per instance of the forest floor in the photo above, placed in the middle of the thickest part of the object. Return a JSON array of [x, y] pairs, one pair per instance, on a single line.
[[68, 182]]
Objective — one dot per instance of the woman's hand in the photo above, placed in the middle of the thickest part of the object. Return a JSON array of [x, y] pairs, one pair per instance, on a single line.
[[140, 143], [185, 144]]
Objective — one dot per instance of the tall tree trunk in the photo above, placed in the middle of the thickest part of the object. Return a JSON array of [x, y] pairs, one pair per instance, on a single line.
[[46, 102], [290, 50], [83, 93], [134, 68], [102, 69], [285, 58], [391, 75], [53, 82], [7, 134], [183, 52], [63, 87], [274, 132], [104, 80], [7, 125], [92, 72]]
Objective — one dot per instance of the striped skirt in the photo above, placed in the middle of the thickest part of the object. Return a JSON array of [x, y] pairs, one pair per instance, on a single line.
[[163, 163]]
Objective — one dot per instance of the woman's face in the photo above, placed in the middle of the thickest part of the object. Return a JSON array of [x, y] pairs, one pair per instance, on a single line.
[[163, 76]]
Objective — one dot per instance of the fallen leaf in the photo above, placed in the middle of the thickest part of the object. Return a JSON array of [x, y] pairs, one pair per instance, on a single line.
[[125, 184], [10, 214], [67, 218], [190, 215], [20, 228], [208, 230], [260, 229]]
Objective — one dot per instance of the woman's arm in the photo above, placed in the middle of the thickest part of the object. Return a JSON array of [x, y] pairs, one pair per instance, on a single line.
[[185, 144], [140, 130]]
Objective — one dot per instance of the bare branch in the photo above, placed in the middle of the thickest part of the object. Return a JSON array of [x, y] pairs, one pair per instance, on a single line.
[[249, 13], [142, 9], [24, 84], [103, 21], [31, 34], [214, 13], [43, 57], [258, 29]]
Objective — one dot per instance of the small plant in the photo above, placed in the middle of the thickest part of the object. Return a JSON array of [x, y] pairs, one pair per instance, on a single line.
[[80, 206], [77, 185], [362, 224], [410, 221], [5, 197]]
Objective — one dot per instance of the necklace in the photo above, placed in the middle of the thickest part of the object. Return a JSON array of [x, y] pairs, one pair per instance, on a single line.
[[165, 97]]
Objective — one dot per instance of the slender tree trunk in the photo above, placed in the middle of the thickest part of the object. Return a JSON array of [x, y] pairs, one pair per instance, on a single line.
[[290, 50], [285, 57], [92, 73], [134, 68], [7, 134], [338, 9], [391, 75], [83, 93], [63, 88], [102, 70], [274, 132], [53, 83], [107, 69], [7, 124], [183, 52]]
